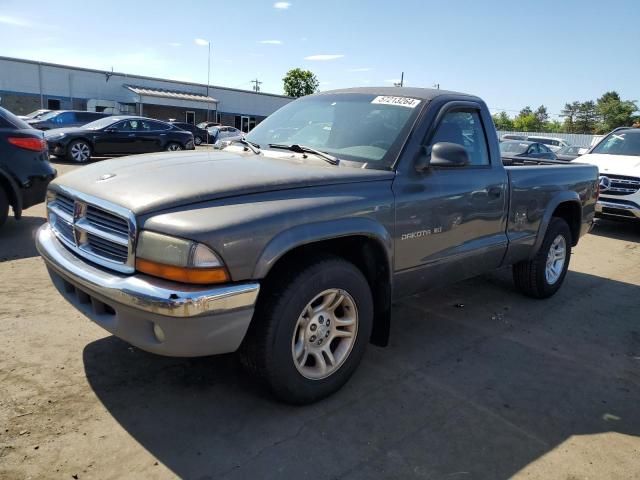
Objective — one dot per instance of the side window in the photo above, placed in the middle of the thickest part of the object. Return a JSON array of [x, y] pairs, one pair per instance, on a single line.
[[122, 126], [150, 125], [533, 149], [65, 118], [465, 128]]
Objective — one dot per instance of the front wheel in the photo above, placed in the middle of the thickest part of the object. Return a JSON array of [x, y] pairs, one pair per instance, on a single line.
[[79, 151], [542, 276], [197, 140], [173, 147], [310, 333]]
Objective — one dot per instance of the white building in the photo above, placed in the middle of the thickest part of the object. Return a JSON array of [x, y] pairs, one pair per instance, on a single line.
[[27, 85]]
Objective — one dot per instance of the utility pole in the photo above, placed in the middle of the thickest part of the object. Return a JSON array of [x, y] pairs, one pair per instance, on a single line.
[[256, 87], [437, 85], [208, 77], [401, 82]]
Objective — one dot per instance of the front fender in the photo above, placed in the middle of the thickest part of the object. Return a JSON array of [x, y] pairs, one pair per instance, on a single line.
[[315, 232], [561, 197]]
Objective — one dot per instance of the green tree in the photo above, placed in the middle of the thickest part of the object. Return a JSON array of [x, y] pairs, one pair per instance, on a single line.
[[614, 112], [541, 115], [586, 119], [555, 126], [502, 121], [525, 123], [569, 113], [298, 83]]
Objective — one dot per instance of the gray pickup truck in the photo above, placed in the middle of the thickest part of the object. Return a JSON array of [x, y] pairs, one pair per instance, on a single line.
[[291, 245]]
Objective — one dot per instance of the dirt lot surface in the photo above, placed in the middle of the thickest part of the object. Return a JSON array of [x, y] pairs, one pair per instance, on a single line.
[[478, 382]]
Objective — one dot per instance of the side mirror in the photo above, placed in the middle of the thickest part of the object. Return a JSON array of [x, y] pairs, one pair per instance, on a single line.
[[442, 154], [445, 154]]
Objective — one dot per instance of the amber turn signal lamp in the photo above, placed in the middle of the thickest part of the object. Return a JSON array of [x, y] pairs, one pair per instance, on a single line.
[[201, 276]]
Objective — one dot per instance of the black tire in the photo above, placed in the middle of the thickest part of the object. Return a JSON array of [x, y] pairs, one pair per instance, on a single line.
[[4, 206], [530, 276], [173, 147], [197, 140], [79, 145], [267, 349]]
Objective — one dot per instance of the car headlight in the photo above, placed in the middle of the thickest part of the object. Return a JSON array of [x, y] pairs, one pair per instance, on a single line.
[[178, 259]]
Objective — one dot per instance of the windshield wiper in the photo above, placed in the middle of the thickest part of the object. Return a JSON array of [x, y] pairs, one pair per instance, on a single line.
[[304, 149], [254, 147]]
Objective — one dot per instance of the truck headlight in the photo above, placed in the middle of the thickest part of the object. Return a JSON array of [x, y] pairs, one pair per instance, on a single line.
[[178, 259]]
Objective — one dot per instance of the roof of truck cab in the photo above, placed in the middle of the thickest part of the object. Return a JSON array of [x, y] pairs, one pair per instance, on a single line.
[[419, 93]]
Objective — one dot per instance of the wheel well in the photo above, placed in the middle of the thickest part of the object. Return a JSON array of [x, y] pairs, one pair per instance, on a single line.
[[368, 255], [570, 213], [11, 195]]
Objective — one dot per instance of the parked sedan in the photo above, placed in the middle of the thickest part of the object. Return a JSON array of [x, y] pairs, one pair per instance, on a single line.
[[525, 149], [117, 135], [570, 152], [25, 171], [34, 115], [65, 118], [224, 133], [200, 135]]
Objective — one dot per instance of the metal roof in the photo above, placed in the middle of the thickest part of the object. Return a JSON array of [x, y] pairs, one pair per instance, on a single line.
[[173, 94]]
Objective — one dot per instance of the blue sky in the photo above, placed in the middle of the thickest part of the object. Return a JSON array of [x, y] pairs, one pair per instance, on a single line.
[[510, 53]]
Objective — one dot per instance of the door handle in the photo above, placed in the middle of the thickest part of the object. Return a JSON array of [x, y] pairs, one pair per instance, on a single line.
[[495, 192]]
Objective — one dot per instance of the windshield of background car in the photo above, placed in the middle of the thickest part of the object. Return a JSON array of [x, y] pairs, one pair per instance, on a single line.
[[49, 115], [513, 147], [357, 127], [98, 124], [620, 143]]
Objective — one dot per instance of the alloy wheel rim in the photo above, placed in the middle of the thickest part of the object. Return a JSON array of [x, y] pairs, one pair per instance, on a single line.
[[197, 141], [173, 147], [325, 334], [80, 152], [555, 259]]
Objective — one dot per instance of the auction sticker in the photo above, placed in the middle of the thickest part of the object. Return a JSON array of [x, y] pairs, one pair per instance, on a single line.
[[399, 101]]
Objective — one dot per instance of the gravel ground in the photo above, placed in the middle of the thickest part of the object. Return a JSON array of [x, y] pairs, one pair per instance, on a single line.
[[478, 382]]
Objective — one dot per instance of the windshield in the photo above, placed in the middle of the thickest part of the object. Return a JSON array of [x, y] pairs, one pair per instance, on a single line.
[[620, 143], [49, 115], [101, 123], [357, 127], [513, 147]]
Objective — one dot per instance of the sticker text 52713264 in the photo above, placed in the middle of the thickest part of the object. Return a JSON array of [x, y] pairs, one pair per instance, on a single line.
[[399, 101]]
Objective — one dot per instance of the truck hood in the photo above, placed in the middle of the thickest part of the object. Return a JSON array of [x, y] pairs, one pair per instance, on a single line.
[[628, 165], [152, 182]]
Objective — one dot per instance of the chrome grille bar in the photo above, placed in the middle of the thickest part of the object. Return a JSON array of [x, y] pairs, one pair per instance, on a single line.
[[100, 231]]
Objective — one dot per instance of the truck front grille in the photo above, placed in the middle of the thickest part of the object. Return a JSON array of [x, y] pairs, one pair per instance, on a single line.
[[619, 185], [94, 229]]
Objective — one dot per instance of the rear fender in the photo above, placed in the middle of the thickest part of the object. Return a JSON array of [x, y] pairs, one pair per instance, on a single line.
[[566, 196]]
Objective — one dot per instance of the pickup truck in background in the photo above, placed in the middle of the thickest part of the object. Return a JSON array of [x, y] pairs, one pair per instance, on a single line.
[[617, 156], [291, 245]]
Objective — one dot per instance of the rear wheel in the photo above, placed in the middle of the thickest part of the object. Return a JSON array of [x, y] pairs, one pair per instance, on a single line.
[[79, 151], [197, 140], [542, 276], [4, 206], [173, 147], [310, 331]]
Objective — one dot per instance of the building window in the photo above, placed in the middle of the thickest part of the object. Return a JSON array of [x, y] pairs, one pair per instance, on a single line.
[[53, 104], [190, 117]]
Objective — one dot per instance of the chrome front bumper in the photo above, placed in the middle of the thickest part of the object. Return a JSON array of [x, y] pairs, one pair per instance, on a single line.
[[615, 209], [193, 321]]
